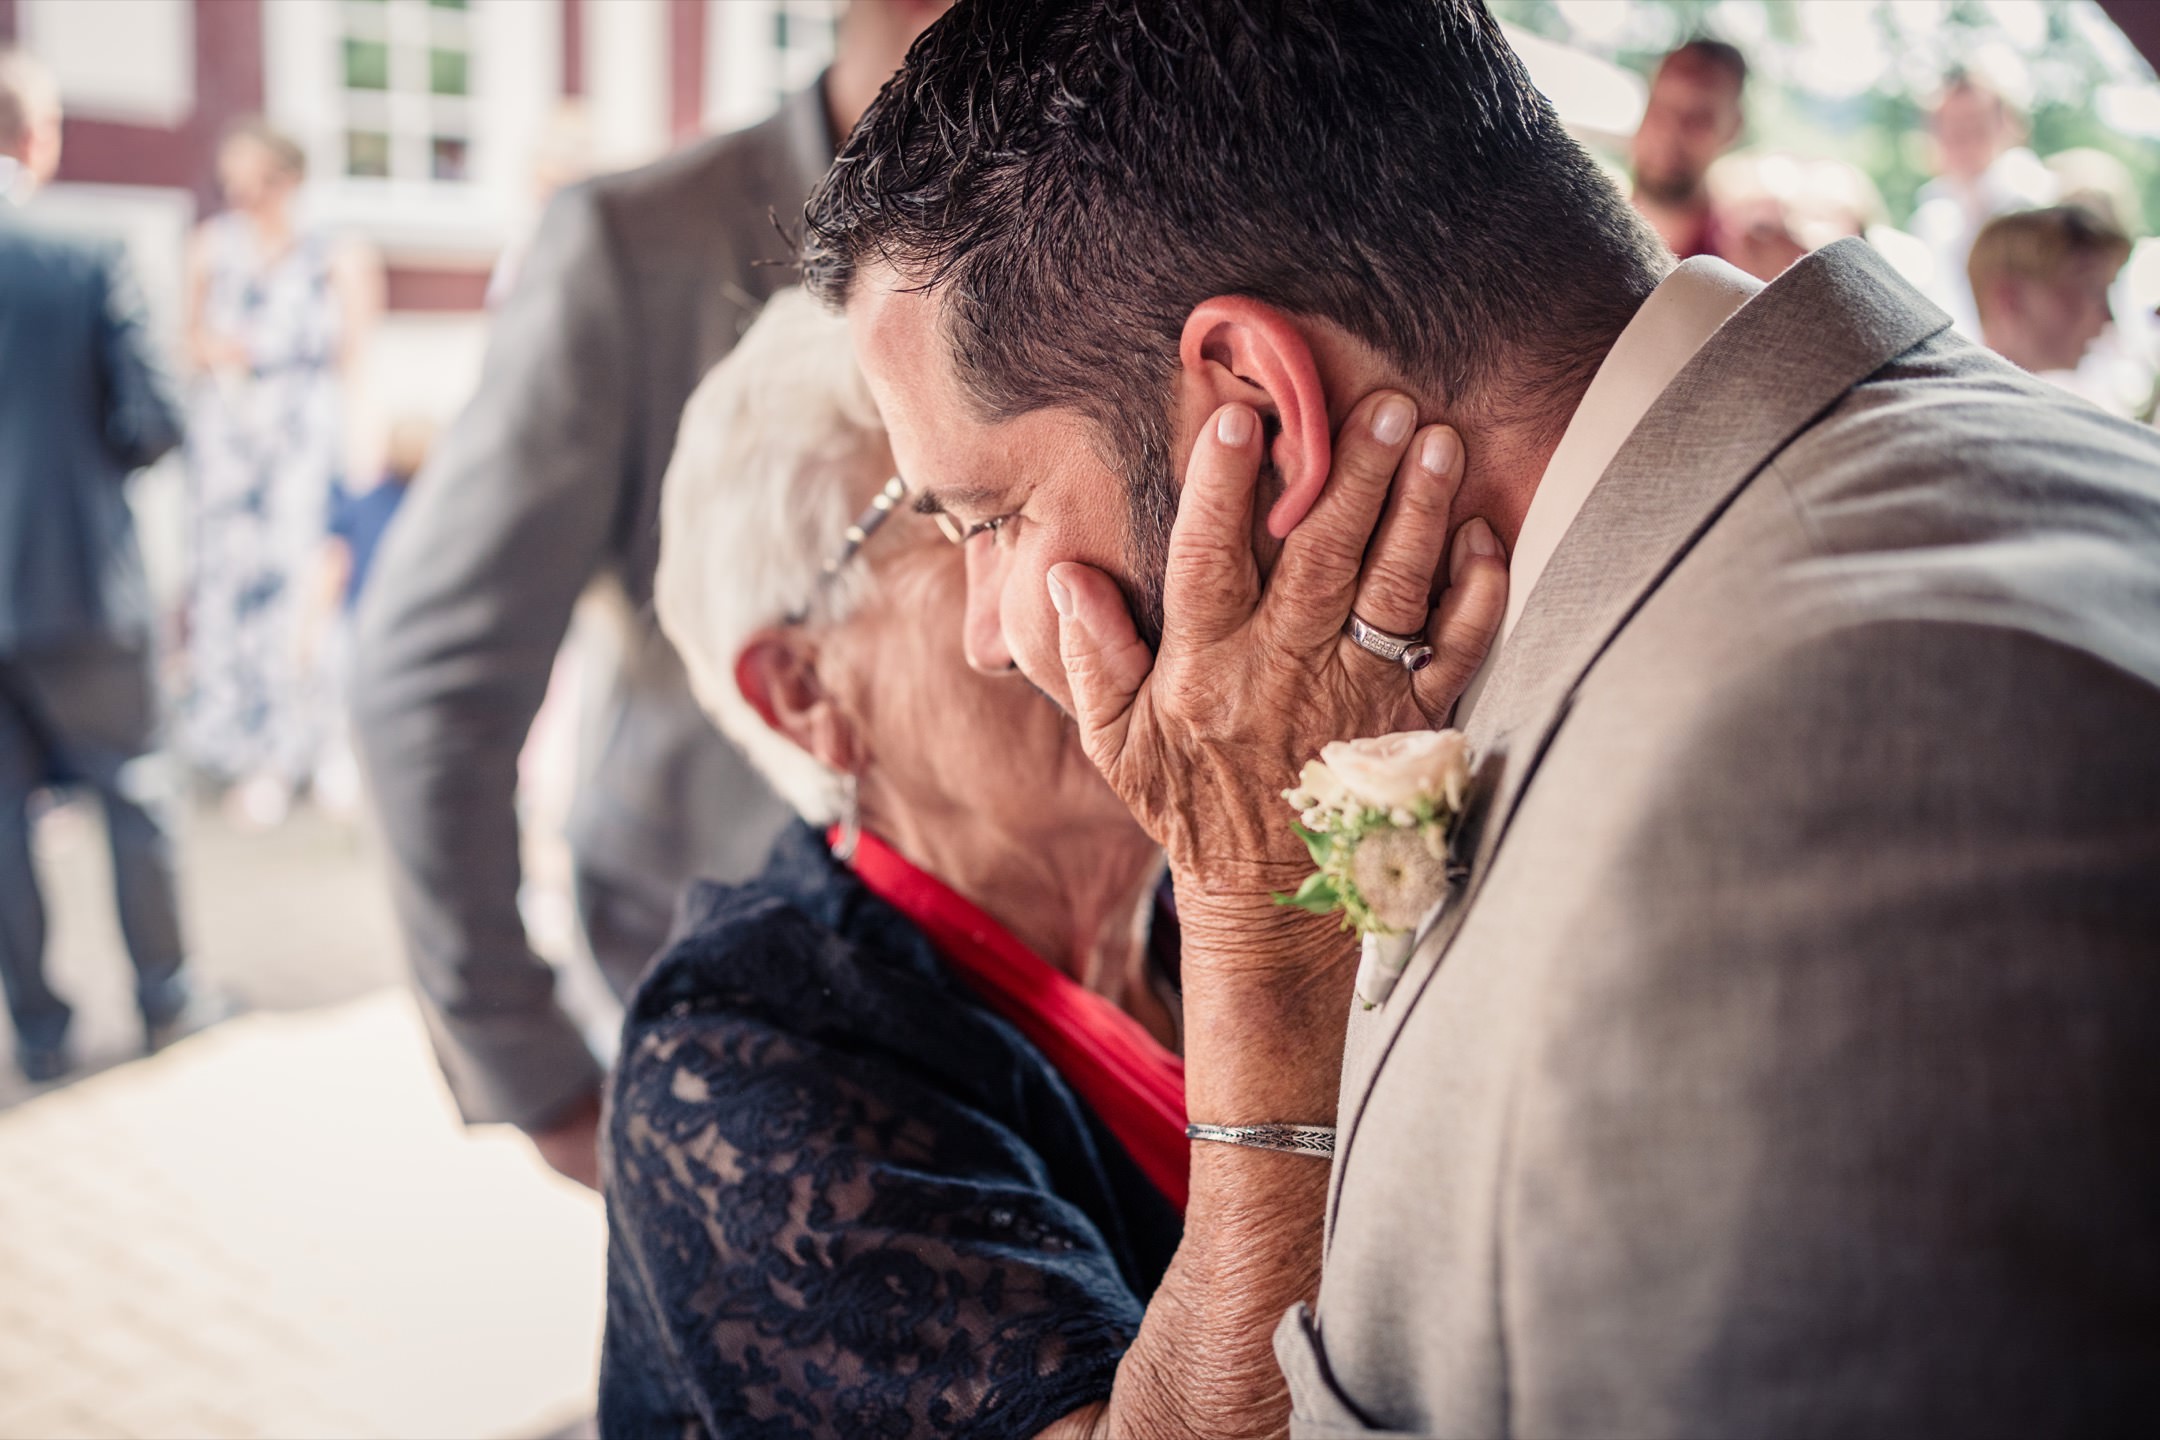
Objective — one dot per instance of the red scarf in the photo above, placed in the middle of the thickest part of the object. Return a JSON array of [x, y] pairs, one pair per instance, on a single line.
[[1134, 1085]]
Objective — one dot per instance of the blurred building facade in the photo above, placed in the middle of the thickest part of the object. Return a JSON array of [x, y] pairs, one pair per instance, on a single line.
[[433, 127]]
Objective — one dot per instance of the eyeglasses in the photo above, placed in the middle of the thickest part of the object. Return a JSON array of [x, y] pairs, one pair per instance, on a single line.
[[882, 505]]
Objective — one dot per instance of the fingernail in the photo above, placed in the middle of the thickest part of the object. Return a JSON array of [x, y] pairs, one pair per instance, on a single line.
[[1059, 595], [1480, 538], [1439, 452], [1392, 419], [1234, 426]]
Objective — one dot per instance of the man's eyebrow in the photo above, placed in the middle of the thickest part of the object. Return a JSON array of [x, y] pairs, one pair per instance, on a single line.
[[971, 497]]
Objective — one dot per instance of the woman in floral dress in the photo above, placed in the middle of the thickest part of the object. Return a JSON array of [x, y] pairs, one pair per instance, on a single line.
[[277, 315]]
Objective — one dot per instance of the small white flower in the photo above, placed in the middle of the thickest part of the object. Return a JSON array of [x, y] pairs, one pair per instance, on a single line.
[[1397, 877], [1396, 771], [1382, 815], [1322, 784]]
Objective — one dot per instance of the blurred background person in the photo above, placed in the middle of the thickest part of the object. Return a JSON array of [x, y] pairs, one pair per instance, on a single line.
[[84, 402], [633, 287], [2041, 281], [561, 157], [1772, 207], [2099, 182], [359, 519], [1982, 170], [1694, 114], [277, 318], [2120, 368]]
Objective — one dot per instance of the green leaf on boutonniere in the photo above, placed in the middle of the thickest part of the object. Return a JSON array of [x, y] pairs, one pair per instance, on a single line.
[[1320, 847], [1316, 895]]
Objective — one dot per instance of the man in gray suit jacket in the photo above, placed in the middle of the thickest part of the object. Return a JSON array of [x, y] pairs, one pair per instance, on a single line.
[[635, 285], [1781, 1060], [84, 403]]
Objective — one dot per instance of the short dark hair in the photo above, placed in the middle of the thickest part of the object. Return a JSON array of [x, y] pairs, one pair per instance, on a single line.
[[1711, 54], [1073, 176]]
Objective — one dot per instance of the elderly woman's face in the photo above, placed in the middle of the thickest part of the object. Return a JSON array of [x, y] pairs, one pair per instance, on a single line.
[[936, 734]]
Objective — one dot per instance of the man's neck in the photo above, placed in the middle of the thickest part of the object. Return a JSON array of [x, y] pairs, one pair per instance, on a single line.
[[1514, 420], [1510, 443], [1505, 464]]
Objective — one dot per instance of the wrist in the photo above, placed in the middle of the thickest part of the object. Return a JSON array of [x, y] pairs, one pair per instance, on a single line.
[[1265, 960], [1255, 1056]]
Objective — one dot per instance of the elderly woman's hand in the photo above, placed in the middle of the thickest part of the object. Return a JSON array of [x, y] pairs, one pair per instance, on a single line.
[[1254, 676]]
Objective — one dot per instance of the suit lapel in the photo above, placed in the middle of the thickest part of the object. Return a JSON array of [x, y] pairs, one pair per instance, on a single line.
[[1782, 360]]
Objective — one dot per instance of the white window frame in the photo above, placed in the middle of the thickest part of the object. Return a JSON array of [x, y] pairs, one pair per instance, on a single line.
[[406, 111], [127, 60], [514, 82], [747, 74]]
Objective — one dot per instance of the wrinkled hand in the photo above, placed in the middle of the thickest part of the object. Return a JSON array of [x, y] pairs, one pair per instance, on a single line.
[[1252, 676]]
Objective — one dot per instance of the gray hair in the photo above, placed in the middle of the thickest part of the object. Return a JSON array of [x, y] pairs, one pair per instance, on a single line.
[[28, 97], [768, 471]]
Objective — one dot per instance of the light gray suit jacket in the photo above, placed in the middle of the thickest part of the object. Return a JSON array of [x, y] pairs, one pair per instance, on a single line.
[[1791, 1063], [635, 285]]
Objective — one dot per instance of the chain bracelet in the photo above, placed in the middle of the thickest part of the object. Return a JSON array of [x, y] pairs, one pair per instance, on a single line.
[[1292, 1139]]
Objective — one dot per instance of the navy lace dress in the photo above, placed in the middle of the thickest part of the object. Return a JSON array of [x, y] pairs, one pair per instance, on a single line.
[[844, 1198]]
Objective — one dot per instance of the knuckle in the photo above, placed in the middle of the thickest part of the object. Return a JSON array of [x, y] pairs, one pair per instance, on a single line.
[[1422, 502], [1392, 611], [1370, 461], [1331, 548], [1402, 583]]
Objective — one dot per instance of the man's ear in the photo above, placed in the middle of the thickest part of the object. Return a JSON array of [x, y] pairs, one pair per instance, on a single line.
[[776, 670], [1239, 349]]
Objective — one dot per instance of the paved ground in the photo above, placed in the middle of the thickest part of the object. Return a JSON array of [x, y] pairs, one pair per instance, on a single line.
[[283, 919], [277, 1228]]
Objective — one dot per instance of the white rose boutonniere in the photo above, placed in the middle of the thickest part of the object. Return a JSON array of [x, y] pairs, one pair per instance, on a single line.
[[1380, 817]]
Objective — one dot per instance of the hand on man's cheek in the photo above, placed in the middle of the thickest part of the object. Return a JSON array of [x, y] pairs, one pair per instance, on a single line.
[[1009, 622], [983, 628], [1030, 622]]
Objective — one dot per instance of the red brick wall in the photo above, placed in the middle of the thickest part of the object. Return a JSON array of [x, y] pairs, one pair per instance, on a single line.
[[410, 289], [573, 49], [686, 69]]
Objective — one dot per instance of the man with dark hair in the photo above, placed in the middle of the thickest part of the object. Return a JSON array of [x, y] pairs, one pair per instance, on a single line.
[[1788, 1068], [1692, 117]]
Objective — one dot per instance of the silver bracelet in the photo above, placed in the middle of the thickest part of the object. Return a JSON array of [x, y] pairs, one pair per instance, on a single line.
[[1293, 1139]]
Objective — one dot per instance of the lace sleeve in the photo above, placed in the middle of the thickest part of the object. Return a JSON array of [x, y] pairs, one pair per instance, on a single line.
[[827, 1245]]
